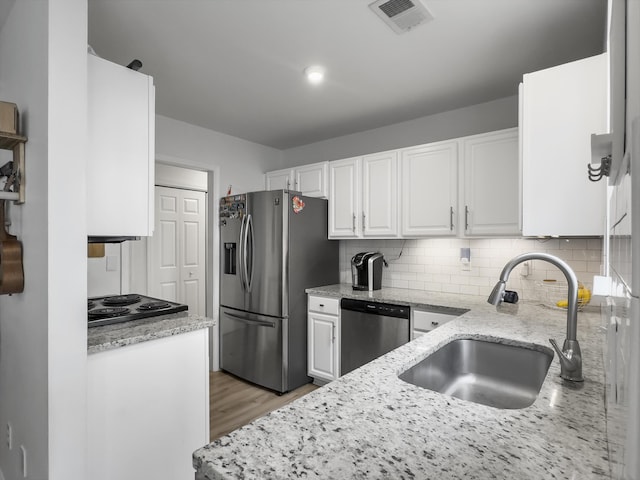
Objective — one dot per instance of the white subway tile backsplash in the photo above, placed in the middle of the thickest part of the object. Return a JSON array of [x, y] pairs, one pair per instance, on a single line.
[[433, 264]]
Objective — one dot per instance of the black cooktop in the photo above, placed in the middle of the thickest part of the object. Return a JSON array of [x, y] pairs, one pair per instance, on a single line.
[[123, 308]]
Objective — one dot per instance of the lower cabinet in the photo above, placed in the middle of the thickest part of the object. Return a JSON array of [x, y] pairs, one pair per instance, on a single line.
[[424, 321], [323, 334], [323, 330], [148, 408]]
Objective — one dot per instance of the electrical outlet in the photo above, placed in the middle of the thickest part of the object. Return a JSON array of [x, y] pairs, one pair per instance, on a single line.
[[9, 436]]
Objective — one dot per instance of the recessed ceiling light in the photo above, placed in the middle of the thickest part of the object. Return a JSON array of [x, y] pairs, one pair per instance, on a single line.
[[314, 74]]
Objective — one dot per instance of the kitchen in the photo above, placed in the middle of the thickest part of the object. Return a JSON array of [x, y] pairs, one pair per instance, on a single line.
[[57, 348]]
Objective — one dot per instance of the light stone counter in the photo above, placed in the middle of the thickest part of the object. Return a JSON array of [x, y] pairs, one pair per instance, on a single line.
[[118, 335], [370, 424]]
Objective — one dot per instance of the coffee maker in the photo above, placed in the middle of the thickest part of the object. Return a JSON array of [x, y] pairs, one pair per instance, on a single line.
[[366, 271]]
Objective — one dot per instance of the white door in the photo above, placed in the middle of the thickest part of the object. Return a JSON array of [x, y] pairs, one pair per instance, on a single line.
[[429, 189], [278, 180], [311, 179], [492, 184], [344, 198], [322, 346], [177, 248], [379, 195]]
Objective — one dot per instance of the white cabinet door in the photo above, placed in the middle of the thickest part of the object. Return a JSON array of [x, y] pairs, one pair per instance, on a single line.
[[311, 180], [279, 180], [491, 187], [120, 162], [429, 189], [562, 106], [424, 322], [379, 195], [344, 198], [322, 346]]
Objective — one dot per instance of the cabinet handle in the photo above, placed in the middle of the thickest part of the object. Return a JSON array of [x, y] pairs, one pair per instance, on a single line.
[[435, 324], [333, 332], [321, 305], [451, 218], [466, 218], [288, 184], [354, 223], [364, 224]]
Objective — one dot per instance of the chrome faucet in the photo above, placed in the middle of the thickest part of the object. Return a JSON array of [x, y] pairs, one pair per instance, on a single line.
[[570, 355]]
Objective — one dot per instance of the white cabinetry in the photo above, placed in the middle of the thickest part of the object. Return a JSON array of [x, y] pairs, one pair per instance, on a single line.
[[429, 189], [561, 107], [148, 408], [424, 321], [323, 317], [310, 180], [279, 180], [344, 198], [120, 163], [380, 195], [415, 192], [363, 199], [491, 186]]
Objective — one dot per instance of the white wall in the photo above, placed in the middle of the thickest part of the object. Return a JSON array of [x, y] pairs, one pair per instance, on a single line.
[[485, 117], [238, 162], [43, 330]]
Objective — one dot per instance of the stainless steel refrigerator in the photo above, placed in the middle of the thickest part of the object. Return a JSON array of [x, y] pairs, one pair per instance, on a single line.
[[273, 246]]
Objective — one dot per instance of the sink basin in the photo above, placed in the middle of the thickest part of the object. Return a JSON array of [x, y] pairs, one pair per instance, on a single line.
[[485, 372]]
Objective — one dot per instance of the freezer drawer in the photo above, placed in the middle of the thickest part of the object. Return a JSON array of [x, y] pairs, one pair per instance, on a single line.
[[251, 347]]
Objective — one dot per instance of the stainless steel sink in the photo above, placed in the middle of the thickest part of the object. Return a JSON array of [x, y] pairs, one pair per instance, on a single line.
[[486, 372]]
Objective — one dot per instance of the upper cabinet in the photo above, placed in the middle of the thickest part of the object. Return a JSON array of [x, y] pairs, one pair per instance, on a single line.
[[491, 188], [363, 196], [379, 195], [344, 198], [310, 180], [429, 189], [560, 108], [416, 192], [121, 150]]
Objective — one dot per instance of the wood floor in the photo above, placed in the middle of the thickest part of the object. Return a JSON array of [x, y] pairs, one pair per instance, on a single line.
[[234, 402]]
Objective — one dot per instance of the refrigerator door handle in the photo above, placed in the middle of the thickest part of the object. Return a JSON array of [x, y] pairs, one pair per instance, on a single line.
[[242, 254], [249, 266], [260, 323]]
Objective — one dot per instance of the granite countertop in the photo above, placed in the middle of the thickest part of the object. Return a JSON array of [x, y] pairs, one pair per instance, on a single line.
[[118, 335], [370, 424]]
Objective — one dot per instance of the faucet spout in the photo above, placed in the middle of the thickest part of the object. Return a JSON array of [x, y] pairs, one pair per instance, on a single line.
[[570, 356]]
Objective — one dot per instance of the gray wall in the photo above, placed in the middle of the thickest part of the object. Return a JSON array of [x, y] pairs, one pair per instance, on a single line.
[[238, 162], [485, 117]]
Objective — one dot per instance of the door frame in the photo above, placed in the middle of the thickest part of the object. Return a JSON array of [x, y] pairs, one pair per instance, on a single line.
[[212, 262]]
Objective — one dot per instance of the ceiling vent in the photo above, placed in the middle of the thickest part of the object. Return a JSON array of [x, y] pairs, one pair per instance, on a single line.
[[401, 15]]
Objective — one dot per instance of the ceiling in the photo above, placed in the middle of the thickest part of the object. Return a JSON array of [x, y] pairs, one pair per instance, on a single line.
[[235, 66]]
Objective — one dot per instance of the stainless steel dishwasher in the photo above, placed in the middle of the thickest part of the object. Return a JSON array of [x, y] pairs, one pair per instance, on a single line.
[[369, 330]]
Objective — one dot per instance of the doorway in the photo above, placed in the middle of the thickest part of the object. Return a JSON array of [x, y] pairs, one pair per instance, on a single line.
[[176, 251]]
